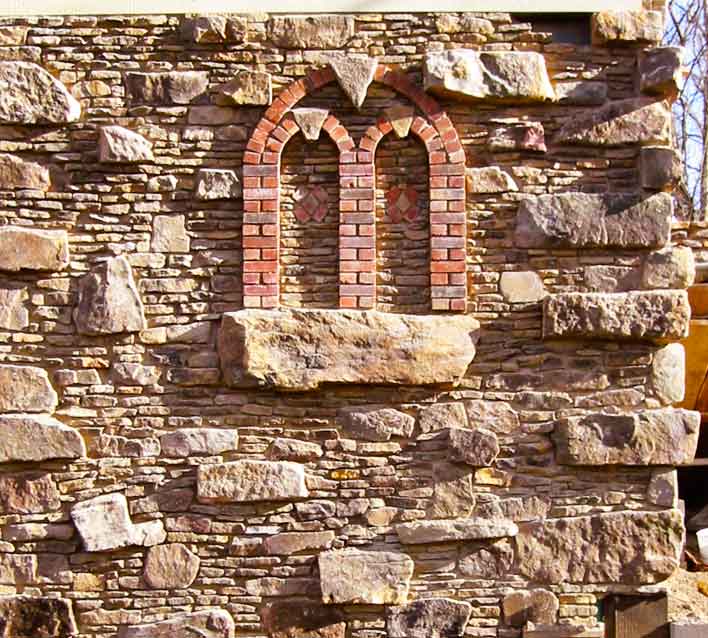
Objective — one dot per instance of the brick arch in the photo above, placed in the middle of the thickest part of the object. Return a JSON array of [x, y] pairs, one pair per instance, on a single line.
[[357, 237]]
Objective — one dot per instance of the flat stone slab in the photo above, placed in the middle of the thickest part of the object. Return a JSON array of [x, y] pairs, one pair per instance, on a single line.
[[354, 576], [33, 249], [629, 548], [26, 389], [653, 315], [28, 493], [292, 349], [429, 618], [247, 481], [650, 437], [210, 623], [454, 529], [38, 437], [516, 76], [311, 32], [375, 423], [16, 173], [36, 617], [586, 220], [186, 442]]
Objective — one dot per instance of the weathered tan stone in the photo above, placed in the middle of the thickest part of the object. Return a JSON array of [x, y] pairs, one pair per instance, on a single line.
[[488, 180], [673, 267], [515, 508], [36, 617], [515, 76], [169, 234], [13, 313], [170, 566], [136, 374], [187, 442], [16, 173], [30, 95], [487, 560], [661, 70], [247, 87], [111, 445], [617, 26], [204, 29], [518, 136], [668, 373], [312, 32], [663, 489], [118, 145], [28, 532], [465, 23], [537, 606], [246, 480], [496, 416], [302, 619], [628, 121], [26, 389], [454, 492], [581, 93], [521, 287], [288, 543], [104, 524], [10, 35], [648, 437], [311, 347], [584, 220], [401, 118], [214, 183], [173, 87], [18, 569], [440, 416], [310, 121], [455, 529], [612, 278], [283, 449], [33, 249], [477, 447], [630, 548], [28, 493], [208, 623], [354, 576], [376, 423], [660, 167], [429, 617], [38, 437], [354, 74], [656, 314], [109, 302]]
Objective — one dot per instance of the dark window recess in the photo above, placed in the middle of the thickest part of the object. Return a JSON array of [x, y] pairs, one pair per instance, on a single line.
[[636, 616], [570, 28]]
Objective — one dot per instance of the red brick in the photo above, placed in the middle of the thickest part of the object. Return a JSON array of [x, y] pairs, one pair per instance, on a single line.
[[260, 266], [269, 254], [459, 304], [260, 218], [260, 193], [365, 157], [348, 302], [255, 146], [252, 254], [251, 229], [260, 290], [347, 278], [347, 230], [347, 158], [270, 158], [456, 206], [438, 205], [346, 205], [357, 218], [356, 169], [251, 278], [447, 242], [457, 278], [447, 266], [437, 157], [447, 218], [260, 171], [355, 290], [251, 205], [365, 205], [457, 253], [269, 230], [440, 304], [251, 302], [269, 205], [368, 254], [365, 230], [456, 230], [258, 242], [447, 193], [366, 303], [438, 279], [250, 157], [439, 254], [354, 266], [438, 182], [269, 302]]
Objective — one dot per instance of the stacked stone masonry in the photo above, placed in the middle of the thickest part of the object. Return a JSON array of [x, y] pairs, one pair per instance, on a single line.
[[339, 326]]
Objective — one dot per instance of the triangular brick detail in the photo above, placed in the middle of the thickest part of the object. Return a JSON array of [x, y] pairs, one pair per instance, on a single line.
[[310, 121], [354, 75]]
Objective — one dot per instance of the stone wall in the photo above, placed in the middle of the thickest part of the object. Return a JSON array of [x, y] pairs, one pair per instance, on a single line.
[[299, 344]]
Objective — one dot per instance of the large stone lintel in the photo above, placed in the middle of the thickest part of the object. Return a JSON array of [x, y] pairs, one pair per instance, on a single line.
[[654, 315], [209, 623], [292, 349], [444, 530]]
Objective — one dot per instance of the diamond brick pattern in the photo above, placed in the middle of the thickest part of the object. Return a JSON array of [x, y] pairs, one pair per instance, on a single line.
[[402, 204], [311, 203]]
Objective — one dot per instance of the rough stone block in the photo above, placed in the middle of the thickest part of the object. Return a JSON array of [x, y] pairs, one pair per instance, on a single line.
[[537, 606], [375, 423], [514, 76], [170, 566], [288, 543], [497, 416], [668, 373], [629, 121], [16, 173], [284, 449], [631, 548], [26, 389], [627, 26], [18, 570], [246, 481], [648, 437], [174, 87], [691, 628], [109, 302], [478, 447], [246, 88], [30, 95], [208, 623], [656, 314], [429, 617], [28, 493], [440, 416], [187, 442], [672, 267], [13, 313], [301, 349], [118, 145], [136, 374], [661, 71], [584, 220], [312, 32], [660, 167], [521, 287], [581, 93], [354, 576], [104, 524], [488, 180], [458, 529], [169, 234], [38, 437], [33, 249], [354, 74], [454, 491], [214, 183], [662, 490], [310, 121], [302, 619], [487, 560], [36, 617]]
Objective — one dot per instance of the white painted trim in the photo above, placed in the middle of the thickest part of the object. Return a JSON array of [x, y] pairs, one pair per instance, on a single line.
[[145, 7]]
